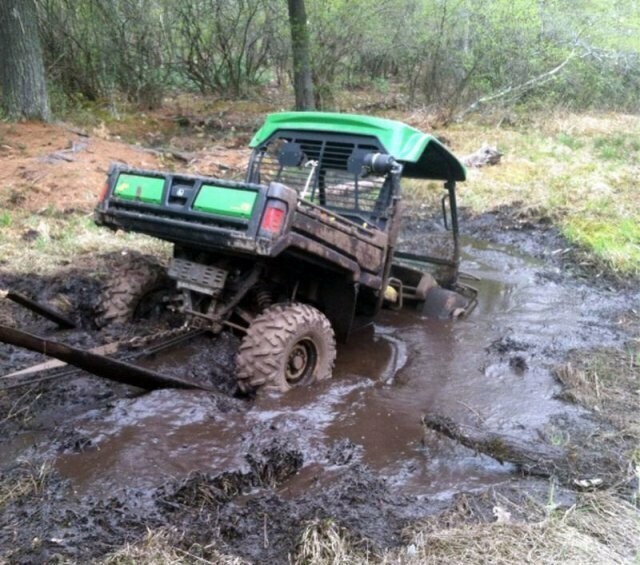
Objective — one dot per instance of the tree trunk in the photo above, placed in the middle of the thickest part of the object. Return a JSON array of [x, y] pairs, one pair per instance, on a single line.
[[302, 82], [23, 89]]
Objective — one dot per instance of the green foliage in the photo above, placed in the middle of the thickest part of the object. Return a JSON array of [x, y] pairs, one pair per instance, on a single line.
[[448, 54]]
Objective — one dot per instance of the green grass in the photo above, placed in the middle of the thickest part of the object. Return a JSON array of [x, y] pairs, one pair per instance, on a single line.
[[579, 170], [617, 147], [570, 141], [5, 219], [615, 243]]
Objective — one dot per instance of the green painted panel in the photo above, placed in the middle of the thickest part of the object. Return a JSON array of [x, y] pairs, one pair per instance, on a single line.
[[225, 201], [138, 187], [429, 157]]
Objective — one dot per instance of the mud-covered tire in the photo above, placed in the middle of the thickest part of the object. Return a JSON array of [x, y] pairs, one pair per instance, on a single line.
[[287, 345], [128, 285]]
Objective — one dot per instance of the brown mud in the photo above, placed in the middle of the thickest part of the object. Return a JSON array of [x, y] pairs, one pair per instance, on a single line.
[[248, 474], [48, 167]]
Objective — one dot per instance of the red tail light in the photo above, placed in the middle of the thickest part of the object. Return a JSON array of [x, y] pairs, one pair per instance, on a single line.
[[273, 219], [103, 194]]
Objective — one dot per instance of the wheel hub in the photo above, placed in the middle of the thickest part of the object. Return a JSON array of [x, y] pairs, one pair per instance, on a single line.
[[301, 361]]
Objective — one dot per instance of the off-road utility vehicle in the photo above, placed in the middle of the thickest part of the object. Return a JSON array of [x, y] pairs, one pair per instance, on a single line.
[[301, 252]]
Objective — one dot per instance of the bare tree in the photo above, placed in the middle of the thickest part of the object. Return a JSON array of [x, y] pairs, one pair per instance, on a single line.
[[22, 80], [223, 46], [302, 81]]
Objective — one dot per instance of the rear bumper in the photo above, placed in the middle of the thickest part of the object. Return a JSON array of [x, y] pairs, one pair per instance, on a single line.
[[184, 232]]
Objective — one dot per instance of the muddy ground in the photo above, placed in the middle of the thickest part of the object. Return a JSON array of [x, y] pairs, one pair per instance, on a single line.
[[88, 466]]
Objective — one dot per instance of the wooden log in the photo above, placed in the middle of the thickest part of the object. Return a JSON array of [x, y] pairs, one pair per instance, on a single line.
[[38, 308], [99, 365], [107, 349], [538, 459]]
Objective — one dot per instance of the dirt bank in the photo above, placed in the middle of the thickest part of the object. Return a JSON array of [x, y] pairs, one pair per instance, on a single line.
[[59, 167]]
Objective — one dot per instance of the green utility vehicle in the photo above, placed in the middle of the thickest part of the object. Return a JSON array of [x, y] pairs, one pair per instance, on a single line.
[[300, 253]]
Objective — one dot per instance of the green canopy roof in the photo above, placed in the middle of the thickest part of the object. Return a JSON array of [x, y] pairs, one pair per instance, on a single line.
[[422, 154]]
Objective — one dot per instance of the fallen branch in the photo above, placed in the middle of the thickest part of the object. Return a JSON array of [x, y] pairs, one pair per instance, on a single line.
[[79, 132], [65, 154], [580, 465], [38, 308], [171, 153], [518, 89], [537, 459]]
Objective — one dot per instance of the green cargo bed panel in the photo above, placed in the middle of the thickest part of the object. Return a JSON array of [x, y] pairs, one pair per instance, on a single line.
[[138, 187], [225, 201]]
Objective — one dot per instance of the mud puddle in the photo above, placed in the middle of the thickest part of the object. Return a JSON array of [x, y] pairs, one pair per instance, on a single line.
[[493, 368]]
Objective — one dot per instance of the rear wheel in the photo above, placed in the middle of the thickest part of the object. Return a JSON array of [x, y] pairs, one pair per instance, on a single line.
[[287, 345], [133, 291]]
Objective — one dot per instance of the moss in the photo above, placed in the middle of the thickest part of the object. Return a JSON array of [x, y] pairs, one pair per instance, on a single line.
[[615, 242]]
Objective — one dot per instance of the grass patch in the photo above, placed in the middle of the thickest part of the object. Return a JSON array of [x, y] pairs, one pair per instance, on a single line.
[[570, 141], [159, 547], [617, 147], [324, 541], [29, 481], [5, 219], [580, 171], [617, 245], [606, 381], [42, 243], [599, 528]]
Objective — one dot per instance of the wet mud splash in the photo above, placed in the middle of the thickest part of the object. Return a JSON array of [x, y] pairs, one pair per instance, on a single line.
[[352, 448]]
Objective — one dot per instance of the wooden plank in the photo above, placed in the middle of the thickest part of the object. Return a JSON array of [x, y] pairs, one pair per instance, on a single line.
[[99, 365], [107, 349]]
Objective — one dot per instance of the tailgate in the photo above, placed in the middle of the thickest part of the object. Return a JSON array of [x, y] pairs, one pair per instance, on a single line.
[[186, 209]]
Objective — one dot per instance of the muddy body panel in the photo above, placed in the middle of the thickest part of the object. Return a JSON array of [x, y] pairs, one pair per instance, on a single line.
[[308, 233]]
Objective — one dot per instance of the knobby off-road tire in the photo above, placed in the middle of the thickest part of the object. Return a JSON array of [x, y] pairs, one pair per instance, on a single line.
[[129, 284], [287, 345]]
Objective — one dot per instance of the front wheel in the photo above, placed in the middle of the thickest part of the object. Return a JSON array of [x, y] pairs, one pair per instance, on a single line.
[[287, 345]]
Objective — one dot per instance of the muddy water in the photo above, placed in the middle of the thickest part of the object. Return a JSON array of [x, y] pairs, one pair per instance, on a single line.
[[492, 368]]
